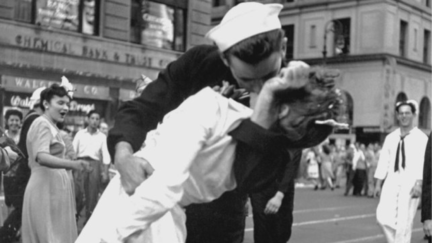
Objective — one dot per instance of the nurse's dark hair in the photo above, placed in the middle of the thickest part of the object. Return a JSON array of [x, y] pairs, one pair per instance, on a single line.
[[257, 48], [48, 93]]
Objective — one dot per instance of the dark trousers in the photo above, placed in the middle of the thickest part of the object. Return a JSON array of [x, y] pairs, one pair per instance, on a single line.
[[349, 178], [220, 221], [14, 188], [91, 184], [11, 226], [360, 182], [275, 228]]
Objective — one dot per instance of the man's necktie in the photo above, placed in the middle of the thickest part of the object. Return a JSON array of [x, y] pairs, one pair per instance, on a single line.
[[401, 147]]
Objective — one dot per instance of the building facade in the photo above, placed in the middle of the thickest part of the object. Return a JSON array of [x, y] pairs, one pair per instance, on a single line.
[[381, 47], [101, 46]]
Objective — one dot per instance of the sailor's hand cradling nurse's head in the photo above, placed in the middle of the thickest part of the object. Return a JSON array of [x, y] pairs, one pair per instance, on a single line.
[[303, 93]]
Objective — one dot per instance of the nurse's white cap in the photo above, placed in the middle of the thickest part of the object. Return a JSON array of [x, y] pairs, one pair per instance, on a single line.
[[243, 21]]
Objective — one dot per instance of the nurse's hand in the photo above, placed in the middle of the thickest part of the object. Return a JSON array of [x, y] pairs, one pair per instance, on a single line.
[[427, 227], [133, 170]]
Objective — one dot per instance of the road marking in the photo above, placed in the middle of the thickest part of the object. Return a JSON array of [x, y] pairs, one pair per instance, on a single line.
[[370, 238], [362, 216], [321, 209], [326, 209], [335, 219]]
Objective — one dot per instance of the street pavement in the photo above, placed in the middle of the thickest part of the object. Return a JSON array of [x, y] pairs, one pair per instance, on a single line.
[[326, 216]]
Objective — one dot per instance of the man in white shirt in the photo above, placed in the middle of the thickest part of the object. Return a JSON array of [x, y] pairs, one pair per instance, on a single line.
[[90, 145], [401, 165]]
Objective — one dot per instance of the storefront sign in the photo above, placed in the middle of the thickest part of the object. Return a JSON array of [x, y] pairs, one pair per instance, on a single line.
[[126, 94], [58, 45], [22, 101], [371, 129], [26, 85]]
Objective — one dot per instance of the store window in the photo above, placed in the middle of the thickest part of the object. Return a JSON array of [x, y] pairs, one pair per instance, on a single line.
[[158, 24], [425, 114], [74, 15], [23, 10]]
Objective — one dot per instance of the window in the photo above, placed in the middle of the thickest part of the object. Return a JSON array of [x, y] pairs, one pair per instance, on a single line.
[[73, 15], [426, 47], [402, 38], [289, 34], [23, 10], [427, 2], [425, 113], [346, 111], [217, 3], [159, 25], [342, 39], [415, 39], [312, 37]]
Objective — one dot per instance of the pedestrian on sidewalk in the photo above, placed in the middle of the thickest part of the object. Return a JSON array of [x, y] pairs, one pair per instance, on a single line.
[[49, 209], [426, 199], [327, 159], [90, 145], [313, 168], [401, 165]]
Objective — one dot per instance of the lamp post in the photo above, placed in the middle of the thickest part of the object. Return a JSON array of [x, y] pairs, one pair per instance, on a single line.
[[335, 27]]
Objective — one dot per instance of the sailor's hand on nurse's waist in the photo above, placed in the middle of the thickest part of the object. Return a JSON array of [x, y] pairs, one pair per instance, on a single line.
[[133, 170]]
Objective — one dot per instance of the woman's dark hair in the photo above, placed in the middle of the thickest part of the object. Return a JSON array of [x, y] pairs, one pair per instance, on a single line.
[[13, 112], [326, 149], [48, 93], [256, 48]]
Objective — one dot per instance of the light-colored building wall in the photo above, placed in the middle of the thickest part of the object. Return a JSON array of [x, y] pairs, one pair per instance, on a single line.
[[373, 72]]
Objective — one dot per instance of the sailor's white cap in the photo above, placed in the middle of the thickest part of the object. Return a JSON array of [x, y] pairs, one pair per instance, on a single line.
[[243, 21]]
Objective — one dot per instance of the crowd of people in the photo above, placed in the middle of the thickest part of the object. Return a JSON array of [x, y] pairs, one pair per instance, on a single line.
[[189, 153], [327, 165], [58, 174]]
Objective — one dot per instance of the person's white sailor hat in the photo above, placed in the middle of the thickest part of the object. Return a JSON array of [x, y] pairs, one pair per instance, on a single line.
[[243, 21], [35, 98], [412, 103]]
